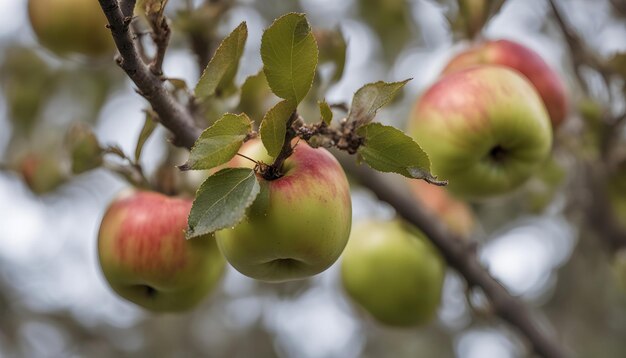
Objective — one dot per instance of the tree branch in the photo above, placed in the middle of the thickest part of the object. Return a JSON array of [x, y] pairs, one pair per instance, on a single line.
[[172, 114], [461, 257]]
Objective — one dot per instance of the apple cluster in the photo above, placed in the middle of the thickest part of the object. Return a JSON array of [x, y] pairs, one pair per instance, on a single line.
[[487, 123], [296, 228]]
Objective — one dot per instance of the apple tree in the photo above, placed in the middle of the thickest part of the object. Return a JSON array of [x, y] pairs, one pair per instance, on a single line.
[[314, 178]]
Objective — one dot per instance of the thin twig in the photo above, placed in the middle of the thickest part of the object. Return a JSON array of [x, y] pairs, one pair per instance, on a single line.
[[173, 115], [161, 36], [127, 7]]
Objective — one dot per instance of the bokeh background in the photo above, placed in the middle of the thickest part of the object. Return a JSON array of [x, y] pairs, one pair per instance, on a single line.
[[54, 301]]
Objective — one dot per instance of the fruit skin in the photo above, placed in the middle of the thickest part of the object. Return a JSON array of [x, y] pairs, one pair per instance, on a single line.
[[524, 60], [42, 169], [145, 258], [484, 128], [455, 214], [71, 27], [301, 226], [393, 272]]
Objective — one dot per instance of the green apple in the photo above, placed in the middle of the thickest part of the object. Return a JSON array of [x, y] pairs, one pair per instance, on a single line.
[[300, 223], [484, 128], [524, 60], [393, 272], [71, 27], [144, 255], [42, 169]]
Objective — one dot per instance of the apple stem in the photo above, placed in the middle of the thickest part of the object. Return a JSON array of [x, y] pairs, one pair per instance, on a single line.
[[250, 159], [274, 170]]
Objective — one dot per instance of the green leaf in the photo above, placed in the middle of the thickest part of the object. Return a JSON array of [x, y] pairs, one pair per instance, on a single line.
[[219, 143], [325, 111], [84, 148], [179, 84], [148, 127], [371, 97], [255, 93], [391, 20], [222, 200], [388, 149], [289, 54], [274, 126], [332, 47], [218, 76]]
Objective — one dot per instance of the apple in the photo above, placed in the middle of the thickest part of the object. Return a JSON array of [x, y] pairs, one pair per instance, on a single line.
[[300, 226], [393, 272], [145, 257], [71, 27], [455, 214], [524, 60], [42, 171], [484, 128]]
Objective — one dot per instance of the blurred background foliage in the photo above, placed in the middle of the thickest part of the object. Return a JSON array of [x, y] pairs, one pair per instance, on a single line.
[[55, 303]]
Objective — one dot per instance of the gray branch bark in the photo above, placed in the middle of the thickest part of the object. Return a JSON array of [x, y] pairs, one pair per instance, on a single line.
[[172, 114]]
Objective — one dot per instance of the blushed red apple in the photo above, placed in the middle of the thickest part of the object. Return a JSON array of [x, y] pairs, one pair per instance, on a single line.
[[147, 260], [524, 60], [300, 226], [485, 130]]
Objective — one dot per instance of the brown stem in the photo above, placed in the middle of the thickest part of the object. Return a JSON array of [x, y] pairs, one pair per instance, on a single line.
[[173, 115], [161, 36], [274, 171], [127, 7]]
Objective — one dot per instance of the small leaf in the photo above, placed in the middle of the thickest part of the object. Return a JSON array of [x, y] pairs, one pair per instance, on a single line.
[[219, 143], [148, 127], [371, 97], [254, 98], [388, 149], [218, 76], [84, 148], [274, 126], [222, 200], [179, 84], [332, 47], [289, 54], [325, 111]]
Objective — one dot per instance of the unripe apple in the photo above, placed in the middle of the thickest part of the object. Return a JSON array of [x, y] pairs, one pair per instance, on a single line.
[[393, 272], [147, 260], [456, 214], [42, 171], [71, 27], [300, 226], [484, 128], [524, 60]]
